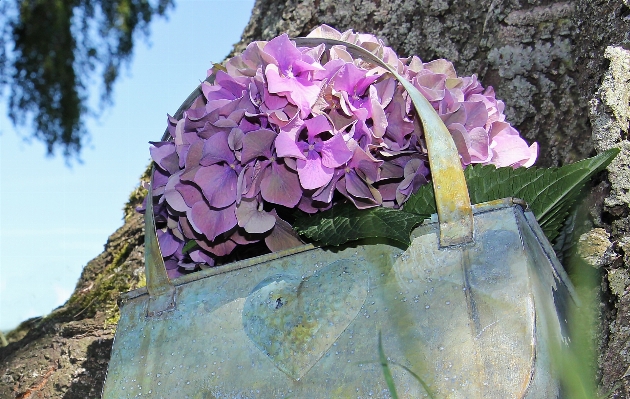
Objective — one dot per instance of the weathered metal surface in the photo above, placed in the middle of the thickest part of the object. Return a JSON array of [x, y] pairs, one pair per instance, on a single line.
[[474, 321]]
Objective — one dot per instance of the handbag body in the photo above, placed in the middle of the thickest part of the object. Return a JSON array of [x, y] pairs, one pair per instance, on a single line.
[[476, 320], [474, 308]]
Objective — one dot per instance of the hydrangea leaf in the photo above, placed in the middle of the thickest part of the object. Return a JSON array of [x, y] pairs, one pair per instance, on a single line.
[[344, 222], [190, 246], [549, 192]]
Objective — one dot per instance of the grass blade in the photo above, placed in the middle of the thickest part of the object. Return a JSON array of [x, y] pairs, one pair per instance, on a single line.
[[386, 371]]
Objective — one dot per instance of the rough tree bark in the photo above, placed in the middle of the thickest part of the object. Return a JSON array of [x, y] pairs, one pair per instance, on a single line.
[[563, 70]]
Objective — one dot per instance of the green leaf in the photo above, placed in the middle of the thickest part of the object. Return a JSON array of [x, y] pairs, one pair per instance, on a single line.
[[422, 202], [344, 222], [550, 192], [190, 246]]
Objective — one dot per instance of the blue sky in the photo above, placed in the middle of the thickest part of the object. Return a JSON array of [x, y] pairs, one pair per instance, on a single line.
[[54, 219]]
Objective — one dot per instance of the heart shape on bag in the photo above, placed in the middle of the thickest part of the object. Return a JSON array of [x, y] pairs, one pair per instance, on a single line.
[[295, 321]]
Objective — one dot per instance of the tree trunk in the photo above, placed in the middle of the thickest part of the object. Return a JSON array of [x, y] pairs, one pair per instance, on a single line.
[[563, 71]]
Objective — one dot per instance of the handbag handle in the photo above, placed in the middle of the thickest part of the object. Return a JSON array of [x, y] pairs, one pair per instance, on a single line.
[[451, 193], [161, 290]]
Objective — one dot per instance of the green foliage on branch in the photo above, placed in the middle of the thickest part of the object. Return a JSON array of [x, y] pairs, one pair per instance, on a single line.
[[52, 50]]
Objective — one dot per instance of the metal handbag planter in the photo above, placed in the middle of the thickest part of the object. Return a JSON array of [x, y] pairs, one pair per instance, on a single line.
[[473, 306]]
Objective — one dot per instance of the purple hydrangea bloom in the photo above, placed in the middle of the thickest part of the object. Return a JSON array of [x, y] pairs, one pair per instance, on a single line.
[[283, 127], [289, 74], [316, 158]]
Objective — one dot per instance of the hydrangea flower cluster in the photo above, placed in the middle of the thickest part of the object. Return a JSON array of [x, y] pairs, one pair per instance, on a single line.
[[285, 127]]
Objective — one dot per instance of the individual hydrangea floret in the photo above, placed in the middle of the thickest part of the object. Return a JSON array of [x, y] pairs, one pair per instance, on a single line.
[[282, 127]]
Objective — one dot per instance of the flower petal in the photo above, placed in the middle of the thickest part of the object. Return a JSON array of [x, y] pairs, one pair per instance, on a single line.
[[257, 144], [442, 66], [218, 184], [165, 155], [195, 153], [174, 273], [235, 139], [218, 248], [366, 165], [168, 243], [533, 150], [282, 236], [431, 85], [347, 78], [379, 119], [234, 85], [189, 192], [251, 219], [312, 173], [356, 186], [316, 125], [476, 114], [299, 91], [287, 147], [188, 231], [456, 116], [159, 179], [280, 185], [479, 149], [284, 51], [175, 200], [211, 222], [274, 101], [325, 193], [359, 202], [335, 152], [462, 141], [199, 256], [172, 196], [216, 149], [509, 150]]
